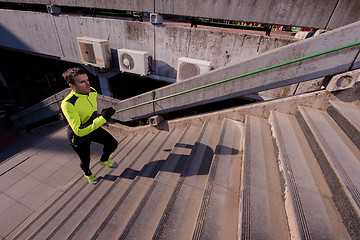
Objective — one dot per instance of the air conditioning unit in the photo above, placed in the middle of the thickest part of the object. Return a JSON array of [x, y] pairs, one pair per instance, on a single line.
[[156, 18], [189, 67], [133, 61], [53, 9], [95, 52]]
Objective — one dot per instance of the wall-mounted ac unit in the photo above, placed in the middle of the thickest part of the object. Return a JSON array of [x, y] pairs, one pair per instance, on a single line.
[[189, 67], [95, 52], [133, 61], [156, 18]]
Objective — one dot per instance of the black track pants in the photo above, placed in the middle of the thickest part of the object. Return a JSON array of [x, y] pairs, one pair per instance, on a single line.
[[83, 150]]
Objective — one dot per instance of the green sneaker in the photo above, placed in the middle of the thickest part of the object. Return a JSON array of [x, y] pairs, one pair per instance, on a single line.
[[110, 163], [92, 179]]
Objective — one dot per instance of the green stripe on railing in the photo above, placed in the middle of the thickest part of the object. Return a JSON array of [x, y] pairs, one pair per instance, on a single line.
[[222, 81], [35, 110], [52, 103], [244, 75]]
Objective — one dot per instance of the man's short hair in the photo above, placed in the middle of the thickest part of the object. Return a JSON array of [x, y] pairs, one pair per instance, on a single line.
[[69, 74]]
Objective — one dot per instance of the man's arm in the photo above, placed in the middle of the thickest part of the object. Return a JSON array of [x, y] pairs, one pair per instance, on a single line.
[[73, 118]]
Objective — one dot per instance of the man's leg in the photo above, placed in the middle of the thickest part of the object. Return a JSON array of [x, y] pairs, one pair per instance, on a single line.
[[110, 144], [83, 151]]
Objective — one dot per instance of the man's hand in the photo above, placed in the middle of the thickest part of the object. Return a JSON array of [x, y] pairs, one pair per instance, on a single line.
[[107, 113]]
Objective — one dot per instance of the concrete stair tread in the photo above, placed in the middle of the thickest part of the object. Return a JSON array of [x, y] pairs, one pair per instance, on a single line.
[[145, 155], [188, 194], [117, 220], [103, 189], [262, 212], [217, 218], [342, 155], [349, 110], [41, 219], [91, 227], [347, 116], [169, 168], [306, 190], [51, 217], [173, 166], [194, 183]]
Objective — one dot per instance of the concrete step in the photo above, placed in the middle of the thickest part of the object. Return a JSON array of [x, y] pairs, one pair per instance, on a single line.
[[309, 206], [44, 218], [262, 211], [115, 217], [339, 159], [73, 187], [218, 215], [143, 219], [44, 221], [347, 116], [66, 186], [183, 208], [68, 227], [279, 178], [48, 220]]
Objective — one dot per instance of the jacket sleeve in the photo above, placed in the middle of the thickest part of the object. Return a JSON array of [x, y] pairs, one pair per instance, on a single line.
[[73, 118]]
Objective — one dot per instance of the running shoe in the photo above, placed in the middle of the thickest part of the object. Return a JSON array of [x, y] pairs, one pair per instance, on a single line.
[[110, 163], [92, 179]]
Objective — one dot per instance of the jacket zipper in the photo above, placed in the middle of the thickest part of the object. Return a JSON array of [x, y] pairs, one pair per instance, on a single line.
[[89, 101]]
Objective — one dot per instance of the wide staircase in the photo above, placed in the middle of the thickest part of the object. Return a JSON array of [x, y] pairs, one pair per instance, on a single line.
[[285, 176]]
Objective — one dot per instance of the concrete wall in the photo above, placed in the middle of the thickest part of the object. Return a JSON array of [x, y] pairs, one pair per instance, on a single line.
[[306, 13], [321, 66], [55, 36], [328, 14], [328, 64], [220, 47], [127, 5], [290, 12]]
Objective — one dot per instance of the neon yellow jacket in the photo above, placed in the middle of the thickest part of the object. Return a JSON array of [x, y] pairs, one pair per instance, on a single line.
[[80, 111]]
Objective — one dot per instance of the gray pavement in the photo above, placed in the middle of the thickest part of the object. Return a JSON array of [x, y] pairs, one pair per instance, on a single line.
[[32, 176], [14, 140]]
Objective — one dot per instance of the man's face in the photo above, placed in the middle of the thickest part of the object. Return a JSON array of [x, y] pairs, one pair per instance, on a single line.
[[82, 84]]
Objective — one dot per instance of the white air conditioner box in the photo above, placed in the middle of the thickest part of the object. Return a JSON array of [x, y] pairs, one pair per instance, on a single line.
[[53, 9], [133, 61], [189, 67], [95, 52], [156, 18]]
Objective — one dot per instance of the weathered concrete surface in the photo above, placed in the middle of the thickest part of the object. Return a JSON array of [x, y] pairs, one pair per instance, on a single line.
[[55, 36], [47, 176], [343, 81], [47, 108], [293, 12], [314, 68], [127, 5], [328, 14], [346, 12], [29, 1], [221, 48], [29, 31]]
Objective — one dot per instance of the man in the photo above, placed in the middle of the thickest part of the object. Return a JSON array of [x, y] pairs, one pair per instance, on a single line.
[[80, 110]]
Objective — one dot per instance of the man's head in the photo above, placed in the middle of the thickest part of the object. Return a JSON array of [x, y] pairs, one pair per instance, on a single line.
[[77, 79]]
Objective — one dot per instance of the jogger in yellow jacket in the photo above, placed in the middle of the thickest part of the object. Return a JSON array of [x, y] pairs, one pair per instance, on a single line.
[[80, 110]]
